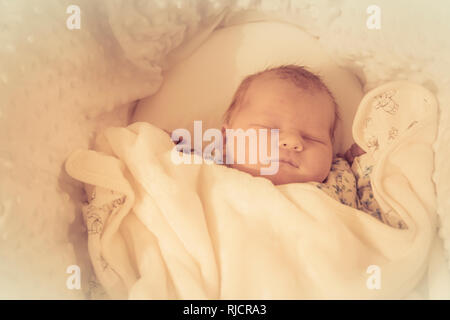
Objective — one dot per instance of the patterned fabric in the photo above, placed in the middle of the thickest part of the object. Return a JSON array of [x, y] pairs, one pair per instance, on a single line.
[[340, 183], [351, 186], [102, 203]]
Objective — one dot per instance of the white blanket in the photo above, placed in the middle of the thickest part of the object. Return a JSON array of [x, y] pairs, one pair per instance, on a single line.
[[211, 232]]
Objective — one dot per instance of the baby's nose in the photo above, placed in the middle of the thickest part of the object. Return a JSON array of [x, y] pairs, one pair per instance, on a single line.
[[291, 142]]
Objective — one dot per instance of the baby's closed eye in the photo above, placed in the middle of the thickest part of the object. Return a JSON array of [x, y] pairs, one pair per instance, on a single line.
[[316, 139], [264, 126]]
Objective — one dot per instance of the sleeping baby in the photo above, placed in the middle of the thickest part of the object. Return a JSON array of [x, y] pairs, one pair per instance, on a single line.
[[298, 104]]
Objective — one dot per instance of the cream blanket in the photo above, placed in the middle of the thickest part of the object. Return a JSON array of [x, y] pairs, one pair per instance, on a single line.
[[160, 231]]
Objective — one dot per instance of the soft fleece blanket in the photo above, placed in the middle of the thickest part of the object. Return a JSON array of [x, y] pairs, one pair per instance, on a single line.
[[158, 230]]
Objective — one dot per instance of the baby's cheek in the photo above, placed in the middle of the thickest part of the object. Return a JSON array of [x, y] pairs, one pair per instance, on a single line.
[[320, 163], [264, 142], [326, 162]]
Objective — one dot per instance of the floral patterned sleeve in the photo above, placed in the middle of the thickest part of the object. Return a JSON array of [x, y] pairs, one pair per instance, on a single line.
[[340, 183], [362, 169], [351, 186], [366, 200]]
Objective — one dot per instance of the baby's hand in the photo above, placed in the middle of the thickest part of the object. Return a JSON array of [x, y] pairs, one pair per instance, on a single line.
[[353, 152]]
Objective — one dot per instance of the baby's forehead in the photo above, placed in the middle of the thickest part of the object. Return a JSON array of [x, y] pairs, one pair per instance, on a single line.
[[271, 87], [272, 95], [270, 83]]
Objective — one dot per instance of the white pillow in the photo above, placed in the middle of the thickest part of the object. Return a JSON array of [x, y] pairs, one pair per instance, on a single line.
[[201, 86]]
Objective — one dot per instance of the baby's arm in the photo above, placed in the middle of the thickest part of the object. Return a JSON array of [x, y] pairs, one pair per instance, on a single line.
[[362, 165], [362, 169]]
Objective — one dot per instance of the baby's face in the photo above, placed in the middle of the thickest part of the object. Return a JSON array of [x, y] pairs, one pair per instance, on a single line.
[[304, 120]]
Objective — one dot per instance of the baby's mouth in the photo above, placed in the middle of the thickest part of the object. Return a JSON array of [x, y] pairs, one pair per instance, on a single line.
[[288, 162]]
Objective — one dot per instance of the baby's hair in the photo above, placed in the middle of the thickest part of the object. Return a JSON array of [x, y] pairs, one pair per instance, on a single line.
[[299, 76]]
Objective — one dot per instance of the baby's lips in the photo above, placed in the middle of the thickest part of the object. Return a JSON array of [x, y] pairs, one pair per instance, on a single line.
[[288, 161]]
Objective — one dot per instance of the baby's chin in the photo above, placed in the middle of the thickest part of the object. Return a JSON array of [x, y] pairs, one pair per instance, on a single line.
[[279, 179], [284, 175]]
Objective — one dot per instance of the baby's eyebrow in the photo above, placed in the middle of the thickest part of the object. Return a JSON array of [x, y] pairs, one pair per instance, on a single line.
[[317, 134], [260, 125]]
